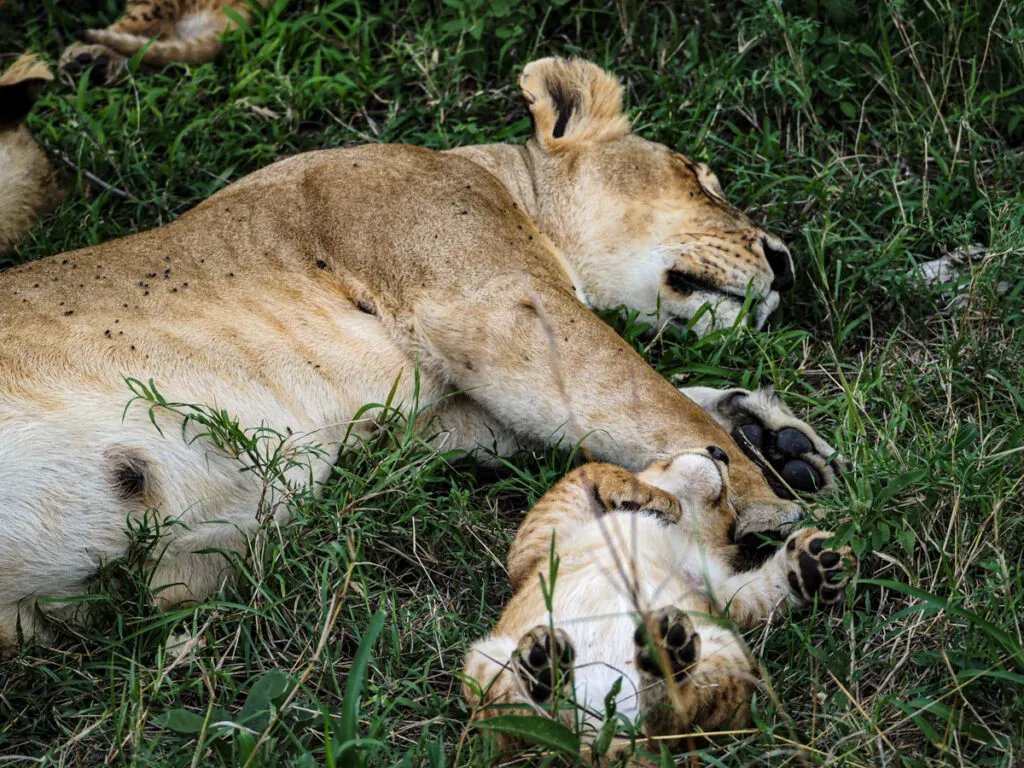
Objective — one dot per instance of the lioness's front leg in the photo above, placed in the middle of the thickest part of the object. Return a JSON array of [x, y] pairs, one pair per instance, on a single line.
[[537, 360]]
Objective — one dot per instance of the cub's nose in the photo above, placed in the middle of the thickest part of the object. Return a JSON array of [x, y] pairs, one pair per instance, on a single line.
[[779, 260]]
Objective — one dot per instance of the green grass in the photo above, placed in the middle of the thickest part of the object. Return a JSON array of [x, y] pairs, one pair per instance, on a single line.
[[870, 136]]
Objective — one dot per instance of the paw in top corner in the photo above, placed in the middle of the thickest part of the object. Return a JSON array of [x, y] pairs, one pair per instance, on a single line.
[[792, 457], [105, 66]]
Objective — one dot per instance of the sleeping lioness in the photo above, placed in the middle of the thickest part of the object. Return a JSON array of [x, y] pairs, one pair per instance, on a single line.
[[312, 287]]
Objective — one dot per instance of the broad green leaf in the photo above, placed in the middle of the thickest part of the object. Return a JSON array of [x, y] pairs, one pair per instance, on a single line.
[[542, 731], [181, 721]]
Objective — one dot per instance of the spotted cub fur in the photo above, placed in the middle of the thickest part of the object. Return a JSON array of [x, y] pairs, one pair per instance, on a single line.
[[644, 568], [186, 31]]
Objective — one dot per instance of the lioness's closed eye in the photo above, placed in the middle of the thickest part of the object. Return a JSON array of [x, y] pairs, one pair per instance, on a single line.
[[644, 563]]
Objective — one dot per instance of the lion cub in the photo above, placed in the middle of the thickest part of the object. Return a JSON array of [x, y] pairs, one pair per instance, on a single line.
[[186, 31], [643, 572]]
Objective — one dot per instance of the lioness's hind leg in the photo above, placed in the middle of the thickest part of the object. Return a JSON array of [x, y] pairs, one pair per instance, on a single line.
[[790, 453]]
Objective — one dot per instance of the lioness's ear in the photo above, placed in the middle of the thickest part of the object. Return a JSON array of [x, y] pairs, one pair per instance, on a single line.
[[572, 101], [19, 87]]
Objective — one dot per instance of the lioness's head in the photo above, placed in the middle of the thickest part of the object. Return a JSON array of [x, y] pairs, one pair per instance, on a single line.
[[642, 224]]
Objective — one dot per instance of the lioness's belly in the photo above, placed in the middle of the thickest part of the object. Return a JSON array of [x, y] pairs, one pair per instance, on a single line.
[[73, 461]]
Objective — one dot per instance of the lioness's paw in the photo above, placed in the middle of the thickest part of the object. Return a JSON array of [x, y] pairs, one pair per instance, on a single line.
[[678, 638], [106, 66], [814, 570], [792, 457], [543, 658]]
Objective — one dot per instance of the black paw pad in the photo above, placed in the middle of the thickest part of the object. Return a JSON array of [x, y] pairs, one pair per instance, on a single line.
[[792, 442], [749, 436], [680, 642], [810, 573], [801, 476], [780, 457], [539, 655]]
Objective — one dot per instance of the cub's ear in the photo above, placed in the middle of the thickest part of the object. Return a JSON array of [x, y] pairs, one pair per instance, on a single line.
[[572, 101], [19, 87]]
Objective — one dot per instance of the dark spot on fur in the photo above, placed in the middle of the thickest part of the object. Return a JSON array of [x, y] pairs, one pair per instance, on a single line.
[[366, 307], [321, 264], [129, 475]]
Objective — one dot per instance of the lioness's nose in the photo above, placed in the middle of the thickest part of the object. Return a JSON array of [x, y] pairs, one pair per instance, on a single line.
[[780, 262]]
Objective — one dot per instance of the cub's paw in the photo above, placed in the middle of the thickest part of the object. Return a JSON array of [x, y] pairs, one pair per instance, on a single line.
[[814, 570], [792, 457], [542, 659], [106, 66], [676, 635], [616, 488]]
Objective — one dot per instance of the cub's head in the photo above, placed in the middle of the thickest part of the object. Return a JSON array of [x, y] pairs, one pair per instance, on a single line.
[[643, 226], [700, 480]]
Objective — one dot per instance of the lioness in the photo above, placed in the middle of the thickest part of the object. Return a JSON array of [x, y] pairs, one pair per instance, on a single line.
[[302, 292], [645, 565]]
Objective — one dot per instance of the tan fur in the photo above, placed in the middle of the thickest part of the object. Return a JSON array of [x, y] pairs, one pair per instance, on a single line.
[[185, 31], [30, 186], [630, 549], [304, 291]]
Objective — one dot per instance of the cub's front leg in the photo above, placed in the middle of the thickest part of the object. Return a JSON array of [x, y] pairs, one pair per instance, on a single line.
[[802, 570]]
